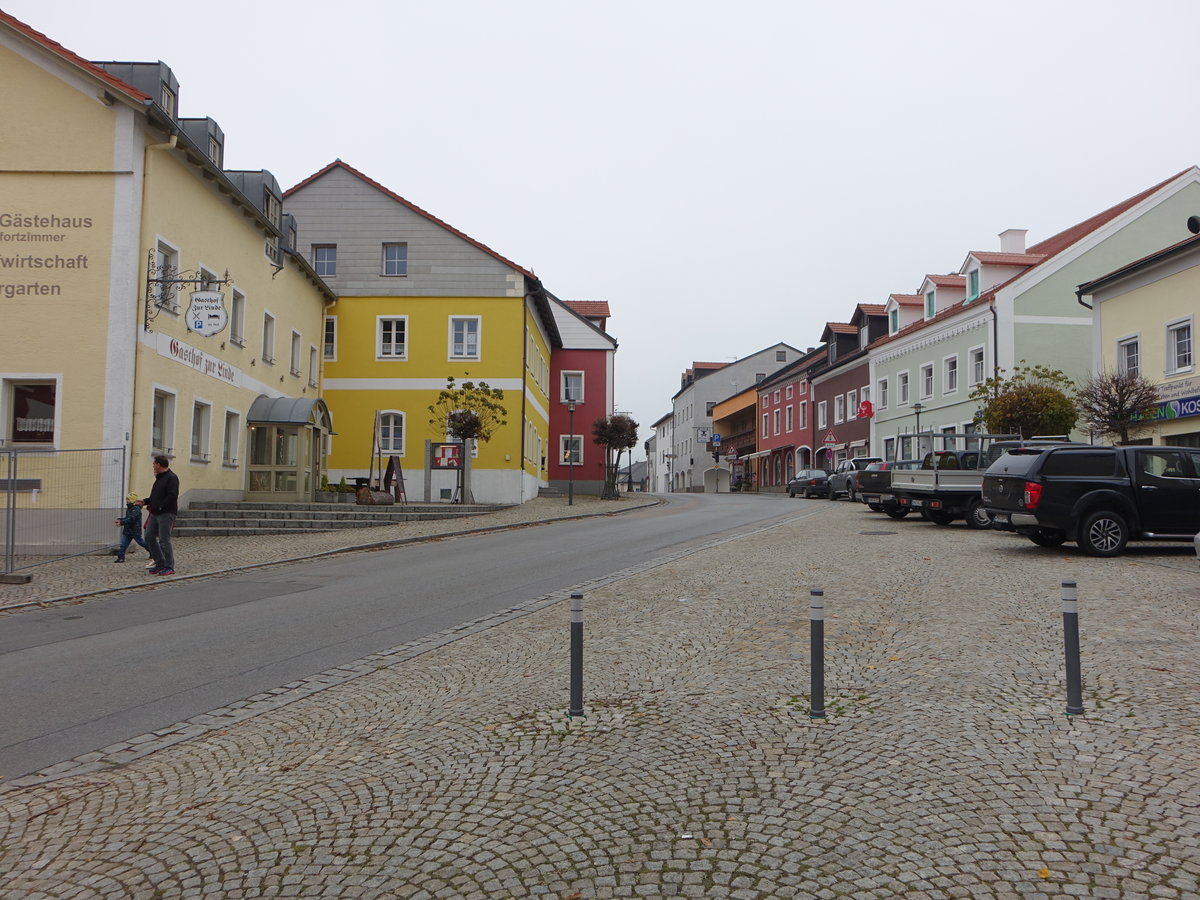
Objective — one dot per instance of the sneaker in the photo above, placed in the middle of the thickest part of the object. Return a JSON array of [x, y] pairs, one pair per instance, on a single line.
[[119, 559], [164, 572], [153, 571]]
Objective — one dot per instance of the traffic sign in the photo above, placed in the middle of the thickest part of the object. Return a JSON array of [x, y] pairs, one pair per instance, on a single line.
[[830, 437], [716, 439]]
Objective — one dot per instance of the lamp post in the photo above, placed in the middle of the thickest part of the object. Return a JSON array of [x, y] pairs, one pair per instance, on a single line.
[[917, 407], [570, 401]]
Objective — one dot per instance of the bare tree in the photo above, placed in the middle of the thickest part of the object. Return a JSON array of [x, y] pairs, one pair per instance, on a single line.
[[1117, 404]]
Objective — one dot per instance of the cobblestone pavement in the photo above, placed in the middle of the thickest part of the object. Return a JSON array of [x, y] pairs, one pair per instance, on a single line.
[[946, 767], [83, 576]]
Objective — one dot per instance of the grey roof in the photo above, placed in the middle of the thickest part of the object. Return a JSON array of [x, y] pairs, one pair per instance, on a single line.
[[288, 411]]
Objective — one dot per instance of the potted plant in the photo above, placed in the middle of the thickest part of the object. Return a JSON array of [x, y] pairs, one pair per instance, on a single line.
[[326, 494]]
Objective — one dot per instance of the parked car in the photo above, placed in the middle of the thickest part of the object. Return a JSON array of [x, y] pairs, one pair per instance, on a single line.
[[809, 483], [844, 477], [947, 486], [875, 486], [1099, 497]]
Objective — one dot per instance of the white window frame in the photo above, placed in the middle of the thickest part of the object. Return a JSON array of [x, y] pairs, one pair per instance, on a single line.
[[775, 396], [882, 384], [788, 418], [775, 420], [889, 448], [231, 438], [572, 443], [7, 401], [170, 398], [297, 344], [851, 405], [319, 264], [787, 392], [977, 355], [164, 248], [403, 417], [1133, 341], [563, 385], [839, 409], [930, 303], [822, 415], [803, 414], [766, 425], [926, 385], [329, 355], [1171, 355], [451, 354], [950, 374], [200, 445], [268, 341], [314, 366], [902, 386], [237, 317], [973, 285], [893, 320], [384, 259], [392, 356]]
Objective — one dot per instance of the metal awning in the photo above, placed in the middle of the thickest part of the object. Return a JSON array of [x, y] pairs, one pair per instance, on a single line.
[[289, 411], [760, 453]]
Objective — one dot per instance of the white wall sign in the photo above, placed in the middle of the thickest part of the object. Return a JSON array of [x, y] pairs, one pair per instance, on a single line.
[[197, 359], [206, 313]]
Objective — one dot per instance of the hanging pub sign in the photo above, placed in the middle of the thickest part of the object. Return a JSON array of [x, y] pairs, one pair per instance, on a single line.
[[206, 313]]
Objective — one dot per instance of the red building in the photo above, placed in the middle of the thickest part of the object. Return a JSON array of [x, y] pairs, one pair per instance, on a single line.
[[784, 426], [582, 380]]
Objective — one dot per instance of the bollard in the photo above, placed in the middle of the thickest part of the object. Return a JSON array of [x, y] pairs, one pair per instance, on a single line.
[[576, 707], [1070, 599], [816, 642]]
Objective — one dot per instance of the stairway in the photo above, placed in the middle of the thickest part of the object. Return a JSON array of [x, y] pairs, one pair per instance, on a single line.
[[225, 518]]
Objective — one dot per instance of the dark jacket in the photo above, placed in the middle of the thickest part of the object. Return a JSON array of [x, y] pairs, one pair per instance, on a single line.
[[131, 522], [164, 496]]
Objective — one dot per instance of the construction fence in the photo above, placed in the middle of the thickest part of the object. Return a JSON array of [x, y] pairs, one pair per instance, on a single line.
[[59, 503]]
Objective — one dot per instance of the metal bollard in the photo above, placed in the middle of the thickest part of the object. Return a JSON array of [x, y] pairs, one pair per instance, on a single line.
[[816, 642], [1070, 600], [576, 707]]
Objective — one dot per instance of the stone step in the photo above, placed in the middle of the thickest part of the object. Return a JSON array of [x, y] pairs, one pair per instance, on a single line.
[[342, 507], [386, 513]]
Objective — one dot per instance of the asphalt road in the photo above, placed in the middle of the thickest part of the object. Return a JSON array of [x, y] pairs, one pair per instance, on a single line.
[[78, 678]]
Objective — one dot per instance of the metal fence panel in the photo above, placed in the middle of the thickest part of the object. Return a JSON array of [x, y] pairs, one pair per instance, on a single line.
[[59, 503]]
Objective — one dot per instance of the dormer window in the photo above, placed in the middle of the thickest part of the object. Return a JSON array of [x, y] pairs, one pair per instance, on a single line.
[[930, 304], [214, 149], [166, 99], [833, 351], [862, 337], [972, 285], [893, 321]]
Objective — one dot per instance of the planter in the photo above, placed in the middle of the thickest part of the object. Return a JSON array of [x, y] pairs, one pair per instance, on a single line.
[[327, 496]]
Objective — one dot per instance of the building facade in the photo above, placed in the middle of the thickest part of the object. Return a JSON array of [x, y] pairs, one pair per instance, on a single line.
[[119, 217], [419, 303]]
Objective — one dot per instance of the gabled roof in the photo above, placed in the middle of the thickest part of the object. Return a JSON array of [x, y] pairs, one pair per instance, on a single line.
[[871, 309], [832, 328], [1006, 259], [907, 299], [67, 56], [338, 164], [946, 280]]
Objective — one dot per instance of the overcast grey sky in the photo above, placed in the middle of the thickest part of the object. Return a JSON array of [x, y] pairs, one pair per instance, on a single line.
[[726, 176]]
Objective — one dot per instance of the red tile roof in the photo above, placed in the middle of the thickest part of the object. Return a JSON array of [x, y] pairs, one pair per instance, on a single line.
[[841, 328], [596, 309], [871, 309], [1007, 259], [947, 280], [908, 299], [65, 54], [708, 365], [338, 164]]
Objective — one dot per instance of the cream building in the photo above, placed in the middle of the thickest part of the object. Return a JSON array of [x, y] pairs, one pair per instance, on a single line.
[[1144, 317], [151, 301]]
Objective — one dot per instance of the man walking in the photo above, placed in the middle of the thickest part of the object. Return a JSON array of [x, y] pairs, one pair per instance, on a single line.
[[163, 504]]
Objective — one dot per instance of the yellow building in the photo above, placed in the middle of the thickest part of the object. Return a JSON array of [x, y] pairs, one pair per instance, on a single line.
[[1144, 317], [151, 301], [420, 302]]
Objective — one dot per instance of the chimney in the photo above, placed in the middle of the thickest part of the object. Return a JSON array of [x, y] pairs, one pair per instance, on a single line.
[[1012, 240]]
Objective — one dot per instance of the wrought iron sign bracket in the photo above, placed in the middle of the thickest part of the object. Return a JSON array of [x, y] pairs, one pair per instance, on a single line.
[[162, 285]]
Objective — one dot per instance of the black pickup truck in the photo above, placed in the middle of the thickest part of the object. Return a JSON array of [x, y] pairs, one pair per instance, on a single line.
[[875, 486], [1099, 497]]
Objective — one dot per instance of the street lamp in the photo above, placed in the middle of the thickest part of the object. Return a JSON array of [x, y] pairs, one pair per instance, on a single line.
[[570, 402], [917, 407]]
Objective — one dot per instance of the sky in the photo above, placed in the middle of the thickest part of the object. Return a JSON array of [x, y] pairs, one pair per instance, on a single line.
[[725, 176]]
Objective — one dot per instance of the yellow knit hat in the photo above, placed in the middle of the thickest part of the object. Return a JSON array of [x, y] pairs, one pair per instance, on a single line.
[[132, 497]]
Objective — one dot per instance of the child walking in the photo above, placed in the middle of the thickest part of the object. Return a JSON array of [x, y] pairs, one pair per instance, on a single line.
[[131, 526]]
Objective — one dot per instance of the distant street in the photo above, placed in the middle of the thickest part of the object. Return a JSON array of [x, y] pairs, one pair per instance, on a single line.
[[81, 677]]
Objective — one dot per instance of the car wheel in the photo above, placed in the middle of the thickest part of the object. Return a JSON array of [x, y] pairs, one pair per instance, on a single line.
[[1103, 533], [792, 494], [978, 517], [1048, 537], [850, 495], [938, 517], [831, 494], [896, 512]]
